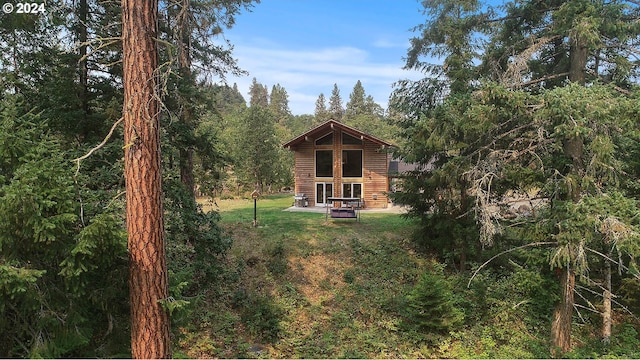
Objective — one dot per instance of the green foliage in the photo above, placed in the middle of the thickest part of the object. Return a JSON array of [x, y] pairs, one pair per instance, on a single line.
[[432, 305], [93, 253], [278, 263], [532, 136], [57, 272], [335, 110], [345, 293], [623, 344], [195, 242], [257, 149], [449, 33], [262, 315]]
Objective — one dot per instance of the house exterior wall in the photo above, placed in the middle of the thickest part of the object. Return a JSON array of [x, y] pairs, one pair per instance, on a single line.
[[374, 178], [305, 171]]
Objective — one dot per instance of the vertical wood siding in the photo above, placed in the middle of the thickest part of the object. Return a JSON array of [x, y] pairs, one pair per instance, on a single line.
[[375, 164], [305, 171], [376, 180]]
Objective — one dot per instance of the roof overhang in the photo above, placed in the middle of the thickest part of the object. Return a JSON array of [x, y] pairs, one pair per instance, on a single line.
[[322, 129]]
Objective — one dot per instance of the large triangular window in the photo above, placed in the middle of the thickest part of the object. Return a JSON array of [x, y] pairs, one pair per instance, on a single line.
[[350, 140], [325, 140]]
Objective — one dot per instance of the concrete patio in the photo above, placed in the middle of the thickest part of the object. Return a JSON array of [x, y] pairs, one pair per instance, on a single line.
[[391, 209]]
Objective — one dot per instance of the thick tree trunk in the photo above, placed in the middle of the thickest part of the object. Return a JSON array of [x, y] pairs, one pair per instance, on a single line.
[[578, 52], [147, 269], [561, 327]]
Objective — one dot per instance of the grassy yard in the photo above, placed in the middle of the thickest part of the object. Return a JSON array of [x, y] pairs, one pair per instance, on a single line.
[[301, 287]]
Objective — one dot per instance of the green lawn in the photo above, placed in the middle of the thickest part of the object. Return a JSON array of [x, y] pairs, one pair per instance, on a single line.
[[309, 288]]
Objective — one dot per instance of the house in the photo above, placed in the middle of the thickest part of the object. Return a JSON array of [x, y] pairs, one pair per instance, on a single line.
[[335, 160], [399, 169]]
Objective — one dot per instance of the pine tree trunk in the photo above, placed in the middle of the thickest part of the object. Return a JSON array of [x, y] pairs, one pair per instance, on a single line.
[[578, 52], [186, 114], [561, 327], [186, 171], [573, 148], [83, 10], [147, 268], [606, 303]]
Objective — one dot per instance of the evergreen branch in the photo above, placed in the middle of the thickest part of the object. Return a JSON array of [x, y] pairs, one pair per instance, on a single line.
[[544, 78], [518, 16], [113, 199], [605, 81], [613, 296], [591, 306], [587, 308], [78, 160], [637, 276], [98, 147], [506, 252], [104, 42]]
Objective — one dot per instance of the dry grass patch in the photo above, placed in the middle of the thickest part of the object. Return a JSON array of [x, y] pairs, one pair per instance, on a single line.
[[318, 277]]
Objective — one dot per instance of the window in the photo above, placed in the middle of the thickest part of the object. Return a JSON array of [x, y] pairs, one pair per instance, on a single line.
[[324, 163], [351, 163], [350, 140], [325, 140], [352, 190]]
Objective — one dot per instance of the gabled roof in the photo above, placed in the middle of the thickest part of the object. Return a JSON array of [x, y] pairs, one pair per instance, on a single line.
[[331, 124]]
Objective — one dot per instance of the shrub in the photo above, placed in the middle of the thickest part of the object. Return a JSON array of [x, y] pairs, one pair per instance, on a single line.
[[262, 315], [277, 263], [432, 305]]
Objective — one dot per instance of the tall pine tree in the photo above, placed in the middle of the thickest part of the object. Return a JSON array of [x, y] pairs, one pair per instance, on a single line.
[[335, 110]]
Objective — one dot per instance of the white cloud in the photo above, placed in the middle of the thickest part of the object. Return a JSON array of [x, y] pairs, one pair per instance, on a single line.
[[387, 43], [306, 73]]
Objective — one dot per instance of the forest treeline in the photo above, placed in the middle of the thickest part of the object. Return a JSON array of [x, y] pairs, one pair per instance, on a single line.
[[250, 133], [63, 238], [526, 134]]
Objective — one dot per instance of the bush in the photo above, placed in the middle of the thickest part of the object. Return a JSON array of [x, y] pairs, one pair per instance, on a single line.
[[262, 315], [277, 262], [432, 305]]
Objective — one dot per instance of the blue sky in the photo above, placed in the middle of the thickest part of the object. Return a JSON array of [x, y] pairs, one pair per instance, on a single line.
[[308, 45]]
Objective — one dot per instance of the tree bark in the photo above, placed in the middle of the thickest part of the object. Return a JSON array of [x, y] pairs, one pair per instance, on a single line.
[[561, 327], [147, 268], [578, 59], [606, 303], [83, 11], [573, 148], [186, 114]]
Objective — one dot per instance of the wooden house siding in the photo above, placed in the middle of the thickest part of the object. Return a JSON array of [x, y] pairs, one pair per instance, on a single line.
[[376, 181], [375, 164], [305, 171]]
